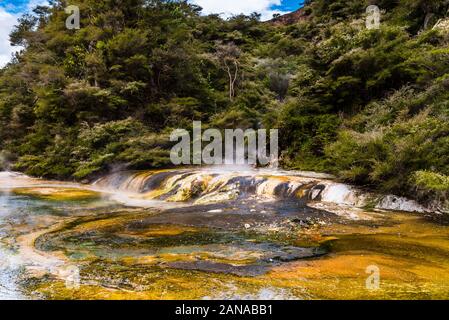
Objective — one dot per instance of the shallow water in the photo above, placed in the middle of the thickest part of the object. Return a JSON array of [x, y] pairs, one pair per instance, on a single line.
[[68, 241]]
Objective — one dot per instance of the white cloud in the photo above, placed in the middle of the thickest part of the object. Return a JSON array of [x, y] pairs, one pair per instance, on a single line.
[[7, 21], [33, 3], [228, 8]]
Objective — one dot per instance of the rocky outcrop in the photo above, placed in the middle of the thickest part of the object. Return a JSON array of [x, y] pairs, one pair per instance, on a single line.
[[290, 18]]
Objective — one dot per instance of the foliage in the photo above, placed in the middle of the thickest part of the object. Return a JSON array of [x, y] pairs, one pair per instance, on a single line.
[[370, 106]]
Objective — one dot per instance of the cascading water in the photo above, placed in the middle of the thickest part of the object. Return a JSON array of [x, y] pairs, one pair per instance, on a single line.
[[210, 185]]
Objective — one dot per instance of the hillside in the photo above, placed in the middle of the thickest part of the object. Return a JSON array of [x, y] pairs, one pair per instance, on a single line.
[[370, 106], [290, 18]]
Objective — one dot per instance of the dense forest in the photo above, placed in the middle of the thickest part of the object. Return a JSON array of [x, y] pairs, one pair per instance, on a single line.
[[368, 105]]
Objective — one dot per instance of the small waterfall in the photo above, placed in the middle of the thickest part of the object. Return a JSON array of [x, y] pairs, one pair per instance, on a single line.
[[209, 185], [343, 194], [213, 185], [135, 182], [123, 181], [205, 185], [391, 202]]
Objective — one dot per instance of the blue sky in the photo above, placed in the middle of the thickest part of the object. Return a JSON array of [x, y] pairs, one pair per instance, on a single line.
[[18, 6], [289, 5], [14, 6], [10, 10]]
